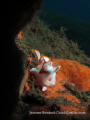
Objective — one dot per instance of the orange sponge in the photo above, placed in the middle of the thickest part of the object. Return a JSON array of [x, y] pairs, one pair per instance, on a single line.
[[73, 72], [26, 87], [20, 34]]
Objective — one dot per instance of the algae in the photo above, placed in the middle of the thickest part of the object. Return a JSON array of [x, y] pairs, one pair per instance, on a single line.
[[38, 35], [83, 95]]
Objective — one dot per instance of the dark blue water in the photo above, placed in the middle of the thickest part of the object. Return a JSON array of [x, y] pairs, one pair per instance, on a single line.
[[75, 8], [74, 15]]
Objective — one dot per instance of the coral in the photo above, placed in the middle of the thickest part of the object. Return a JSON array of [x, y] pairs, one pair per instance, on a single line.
[[65, 95], [38, 35], [73, 73]]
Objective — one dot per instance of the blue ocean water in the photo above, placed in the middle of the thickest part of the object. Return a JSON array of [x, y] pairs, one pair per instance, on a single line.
[[75, 8], [74, 15]]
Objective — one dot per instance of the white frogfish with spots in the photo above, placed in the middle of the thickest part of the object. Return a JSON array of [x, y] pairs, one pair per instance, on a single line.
[[45, 72]]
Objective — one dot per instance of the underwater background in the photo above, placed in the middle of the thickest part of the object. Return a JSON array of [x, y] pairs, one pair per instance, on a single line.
[[74, 15], [60, 30], [79, 9]]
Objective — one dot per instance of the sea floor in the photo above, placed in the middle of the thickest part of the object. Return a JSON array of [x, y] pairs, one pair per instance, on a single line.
[[69, 99]]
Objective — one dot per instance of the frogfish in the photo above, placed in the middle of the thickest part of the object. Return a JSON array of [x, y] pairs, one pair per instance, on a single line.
[[45, 71]]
